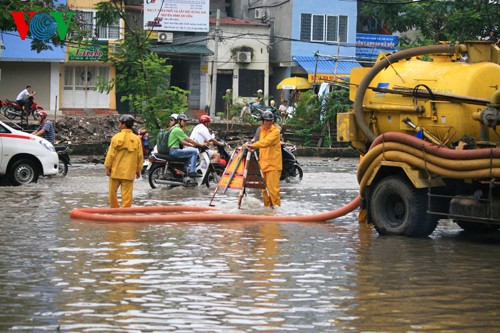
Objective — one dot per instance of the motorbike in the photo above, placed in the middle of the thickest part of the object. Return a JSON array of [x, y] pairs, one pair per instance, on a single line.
[[166, 170], [64, 160], [291, 167], [12, 109], [257, 110]]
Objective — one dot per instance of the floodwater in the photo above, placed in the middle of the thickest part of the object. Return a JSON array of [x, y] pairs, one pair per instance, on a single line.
[[60, 275]]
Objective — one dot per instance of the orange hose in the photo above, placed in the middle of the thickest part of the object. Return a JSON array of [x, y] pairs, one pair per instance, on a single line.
[[124, 214]]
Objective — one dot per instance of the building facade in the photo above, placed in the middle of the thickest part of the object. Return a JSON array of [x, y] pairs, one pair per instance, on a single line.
[[64, 78], [84, 68], [299, 30], [242, 60]]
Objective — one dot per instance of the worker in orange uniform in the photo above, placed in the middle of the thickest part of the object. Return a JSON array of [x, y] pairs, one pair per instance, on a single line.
[[123, 161], [270, 159]]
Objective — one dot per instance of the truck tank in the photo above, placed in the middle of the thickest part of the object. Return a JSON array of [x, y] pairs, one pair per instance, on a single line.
[[425, 123]]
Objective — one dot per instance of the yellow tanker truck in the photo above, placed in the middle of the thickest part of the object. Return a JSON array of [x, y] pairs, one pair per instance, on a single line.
[[426, 123]]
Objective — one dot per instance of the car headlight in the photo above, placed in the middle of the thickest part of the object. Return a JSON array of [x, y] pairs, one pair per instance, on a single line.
[[47, 145]]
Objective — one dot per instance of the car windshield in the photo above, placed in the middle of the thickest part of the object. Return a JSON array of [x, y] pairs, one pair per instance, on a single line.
[[3, 129]]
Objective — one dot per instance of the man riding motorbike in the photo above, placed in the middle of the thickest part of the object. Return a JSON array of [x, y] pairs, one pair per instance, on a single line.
[[25, 97], [201, 134], [46, 128], [177, 138]]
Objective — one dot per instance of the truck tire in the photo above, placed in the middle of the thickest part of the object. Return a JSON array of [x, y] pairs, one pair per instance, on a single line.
[[23, 172], [395, 207]]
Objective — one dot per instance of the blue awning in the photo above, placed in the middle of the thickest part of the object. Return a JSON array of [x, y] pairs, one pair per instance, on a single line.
[[326, 65]]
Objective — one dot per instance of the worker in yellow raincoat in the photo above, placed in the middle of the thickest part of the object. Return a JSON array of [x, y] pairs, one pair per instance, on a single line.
[[123, 162], [270, 159]]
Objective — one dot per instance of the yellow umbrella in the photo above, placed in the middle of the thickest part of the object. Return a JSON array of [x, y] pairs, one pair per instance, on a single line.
[[294, 83]]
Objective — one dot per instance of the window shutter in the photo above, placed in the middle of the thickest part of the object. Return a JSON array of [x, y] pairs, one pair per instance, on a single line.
[[332, 24], [305, 27], [343, 22]]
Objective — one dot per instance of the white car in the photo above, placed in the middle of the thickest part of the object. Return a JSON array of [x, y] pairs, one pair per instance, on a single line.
[[24, 157]]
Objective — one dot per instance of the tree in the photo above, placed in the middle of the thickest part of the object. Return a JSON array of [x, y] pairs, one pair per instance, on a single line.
[[142, 76], [313, 114], [437, 20]]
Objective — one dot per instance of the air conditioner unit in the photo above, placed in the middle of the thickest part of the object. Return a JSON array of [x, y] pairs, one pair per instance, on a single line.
[[260, 13], [165, 37], [243, 57]]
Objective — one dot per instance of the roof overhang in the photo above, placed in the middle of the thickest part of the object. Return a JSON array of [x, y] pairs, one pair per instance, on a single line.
[[182, 49], [326, 67]]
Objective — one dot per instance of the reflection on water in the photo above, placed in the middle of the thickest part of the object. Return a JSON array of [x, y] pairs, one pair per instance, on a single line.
[[71, 276]]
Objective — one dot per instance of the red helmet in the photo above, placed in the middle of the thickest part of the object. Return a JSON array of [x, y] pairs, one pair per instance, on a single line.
[[204, 119], [42, 113]]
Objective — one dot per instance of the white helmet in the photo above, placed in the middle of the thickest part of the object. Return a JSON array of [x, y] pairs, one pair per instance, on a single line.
[[259, 91], [174, 116]]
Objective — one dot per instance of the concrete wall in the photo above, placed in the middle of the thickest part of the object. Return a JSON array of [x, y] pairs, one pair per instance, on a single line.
[[16, 76], [236, 36]]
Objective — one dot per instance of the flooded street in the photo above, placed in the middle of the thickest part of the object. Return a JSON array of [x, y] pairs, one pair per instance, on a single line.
[[61, 275]]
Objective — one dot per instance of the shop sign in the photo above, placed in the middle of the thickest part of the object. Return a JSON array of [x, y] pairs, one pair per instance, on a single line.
[[325, 77], [91, 51]]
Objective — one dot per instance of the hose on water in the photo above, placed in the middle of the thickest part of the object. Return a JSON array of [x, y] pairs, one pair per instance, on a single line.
[[196, 214], [439, 161]]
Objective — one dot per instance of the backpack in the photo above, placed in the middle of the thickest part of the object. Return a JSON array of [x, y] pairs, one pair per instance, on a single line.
[[162, 141]]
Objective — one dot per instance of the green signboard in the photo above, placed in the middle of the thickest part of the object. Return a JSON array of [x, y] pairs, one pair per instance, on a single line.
[[88, 51]]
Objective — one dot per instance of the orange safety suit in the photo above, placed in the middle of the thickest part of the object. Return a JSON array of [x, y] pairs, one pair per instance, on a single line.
[[271, 163], [124, 160]]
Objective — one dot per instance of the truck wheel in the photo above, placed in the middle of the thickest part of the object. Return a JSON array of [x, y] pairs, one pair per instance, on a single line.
[[23, 172], [397, 208]]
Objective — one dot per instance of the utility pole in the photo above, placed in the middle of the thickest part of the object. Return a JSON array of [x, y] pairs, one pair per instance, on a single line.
[[214, 66]]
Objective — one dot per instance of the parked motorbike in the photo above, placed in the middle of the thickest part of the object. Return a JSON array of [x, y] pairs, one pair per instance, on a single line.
[[12, 109], [291, 167], [64, 160], [167, 170], [257, 110]]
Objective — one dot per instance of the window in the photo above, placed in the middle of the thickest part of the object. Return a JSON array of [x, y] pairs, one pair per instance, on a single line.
[[250, 81], [323, 28], [343, 29], [87, 21], [332, 28], [305, 27], [318, 28]]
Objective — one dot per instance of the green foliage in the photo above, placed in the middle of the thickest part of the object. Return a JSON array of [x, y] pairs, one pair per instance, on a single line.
[[142, 77], [313, 116], [437, 20], [307, 112]]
